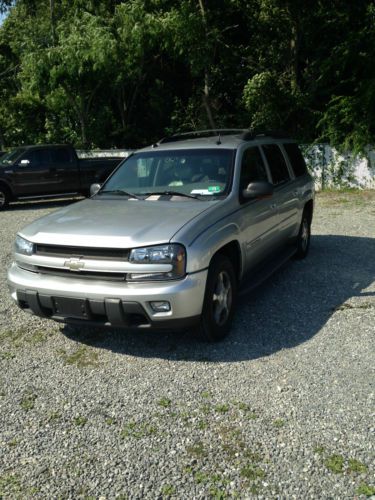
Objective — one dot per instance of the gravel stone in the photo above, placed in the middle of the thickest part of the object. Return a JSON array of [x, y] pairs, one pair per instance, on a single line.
[[283, 408]]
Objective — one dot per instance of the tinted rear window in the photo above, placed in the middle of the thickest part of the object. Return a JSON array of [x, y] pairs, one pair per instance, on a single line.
[[276, 162], [296, 159]]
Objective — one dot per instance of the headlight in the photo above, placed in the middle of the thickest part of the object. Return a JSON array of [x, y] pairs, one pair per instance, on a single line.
[[173, 254], [23, 246]]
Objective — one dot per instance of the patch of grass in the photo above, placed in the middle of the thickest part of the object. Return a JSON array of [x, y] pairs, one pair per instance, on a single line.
[[138, 430], [335, 463], [217, 493], [13, 443], [279, 422], [366, 490], [252, 455], [168, 490], [28, 402], [243, 406], [205, 395], [82, 357], [197, 450], [21, 337], [222, 408], [356, 466], [202, 425], [165, 402], [80, 421], [201, 477], [110, 421], [7, 355], [252, 472], [319, 449], [9, 485], [54, 415]]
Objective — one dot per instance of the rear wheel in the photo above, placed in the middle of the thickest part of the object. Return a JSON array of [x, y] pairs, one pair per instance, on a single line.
[[303, 239], [220, 300], [4, 197]]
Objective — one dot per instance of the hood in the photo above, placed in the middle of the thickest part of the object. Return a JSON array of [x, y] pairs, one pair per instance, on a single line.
[[115, 223]]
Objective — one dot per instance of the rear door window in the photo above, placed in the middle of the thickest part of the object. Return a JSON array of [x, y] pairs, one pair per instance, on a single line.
[[276, 162], [60, 155], [296, 159]]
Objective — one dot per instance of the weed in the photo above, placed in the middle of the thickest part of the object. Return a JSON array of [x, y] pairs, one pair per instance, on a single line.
[[80, 421], [196, 449], [335, 463], [7, 355], [253, 456], [217, 494], [9, 484], [356, 466], [201, 477], [13, 443], [279, 422], [164, 402], [138, 430], [168, 490], [222, 408], [110, 421], [54, 415], [366, 490], [252, 472], [202, 425], [243, 406], [82, 357], [205, 395], [28, 402], [319, 449], [252, 415]]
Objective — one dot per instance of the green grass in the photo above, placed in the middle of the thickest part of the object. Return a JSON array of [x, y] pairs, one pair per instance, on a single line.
[[366, 490], [222, 408], [335, 463], [196, 450], [138, 430], [279, 422], [168, 490], [80, 421], [252, 472], [28, 402], [82, 357], [356, 466], [165, 402]]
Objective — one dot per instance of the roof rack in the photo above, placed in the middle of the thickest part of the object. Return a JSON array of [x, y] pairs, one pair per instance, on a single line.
[[244, 134], [194, 134]]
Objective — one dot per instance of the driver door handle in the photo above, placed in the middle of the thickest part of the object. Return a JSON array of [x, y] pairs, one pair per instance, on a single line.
[[273, 206]]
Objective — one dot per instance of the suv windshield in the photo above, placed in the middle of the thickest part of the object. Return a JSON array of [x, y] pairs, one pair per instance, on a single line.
[[193, 172], [11, 157]]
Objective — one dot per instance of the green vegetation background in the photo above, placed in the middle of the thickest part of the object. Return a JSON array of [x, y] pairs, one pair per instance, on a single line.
[[105, 73]]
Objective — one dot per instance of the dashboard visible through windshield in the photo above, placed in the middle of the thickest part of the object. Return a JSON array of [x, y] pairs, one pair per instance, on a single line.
[[192, 173]]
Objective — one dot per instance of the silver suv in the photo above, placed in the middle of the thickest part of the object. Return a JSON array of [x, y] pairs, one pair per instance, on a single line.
[[172, 237]]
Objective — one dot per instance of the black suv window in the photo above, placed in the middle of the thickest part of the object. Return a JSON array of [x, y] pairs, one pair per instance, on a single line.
[[60, 155], [252, 168], [296, 159], [276, 162], [37, 157]]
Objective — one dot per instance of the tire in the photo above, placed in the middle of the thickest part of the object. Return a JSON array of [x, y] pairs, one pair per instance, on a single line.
[[303, 238], [4, 197], [219, 301]]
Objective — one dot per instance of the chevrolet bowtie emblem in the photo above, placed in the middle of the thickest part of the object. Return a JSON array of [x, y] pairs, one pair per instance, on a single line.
[[74, 264]]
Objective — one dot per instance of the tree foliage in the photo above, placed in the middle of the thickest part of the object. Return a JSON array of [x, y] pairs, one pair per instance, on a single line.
[[125, 72]]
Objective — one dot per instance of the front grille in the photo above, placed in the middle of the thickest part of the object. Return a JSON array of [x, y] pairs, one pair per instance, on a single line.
[[120, 254], [91, 275]]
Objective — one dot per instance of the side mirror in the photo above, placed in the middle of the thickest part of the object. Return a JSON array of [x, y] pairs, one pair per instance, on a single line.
[[94, 188], [258, 189], [24, 163]]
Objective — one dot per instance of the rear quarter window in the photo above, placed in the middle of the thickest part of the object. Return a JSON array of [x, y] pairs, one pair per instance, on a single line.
[[296, 159]]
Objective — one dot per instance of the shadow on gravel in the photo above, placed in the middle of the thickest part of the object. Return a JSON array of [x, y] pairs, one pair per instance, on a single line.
[[42, 204], [287, 310]]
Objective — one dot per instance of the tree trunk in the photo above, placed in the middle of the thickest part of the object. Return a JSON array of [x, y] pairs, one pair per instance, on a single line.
[[206, 86]]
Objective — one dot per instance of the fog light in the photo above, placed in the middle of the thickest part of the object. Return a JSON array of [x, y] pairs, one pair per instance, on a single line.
[[160, 306]]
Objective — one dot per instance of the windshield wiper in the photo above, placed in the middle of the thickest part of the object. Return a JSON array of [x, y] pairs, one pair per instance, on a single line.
[[171, 193], [120, 192]]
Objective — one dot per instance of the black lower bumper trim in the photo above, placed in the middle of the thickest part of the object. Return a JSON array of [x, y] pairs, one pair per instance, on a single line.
[[108, 312]]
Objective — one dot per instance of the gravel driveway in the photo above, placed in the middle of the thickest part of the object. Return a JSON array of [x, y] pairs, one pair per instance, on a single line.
[[284, 408]]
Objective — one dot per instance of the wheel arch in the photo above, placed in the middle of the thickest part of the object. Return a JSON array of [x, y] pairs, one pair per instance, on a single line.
[[232, 250]]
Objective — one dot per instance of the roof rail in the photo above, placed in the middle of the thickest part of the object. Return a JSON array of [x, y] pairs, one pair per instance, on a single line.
[[274, 134], [202, 133]]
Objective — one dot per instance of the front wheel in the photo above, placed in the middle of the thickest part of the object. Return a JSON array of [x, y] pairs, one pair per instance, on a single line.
[[219, 301], [303, 239], [4, 197]]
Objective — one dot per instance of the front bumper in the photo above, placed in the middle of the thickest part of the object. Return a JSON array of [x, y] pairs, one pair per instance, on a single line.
[[75, 300]]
